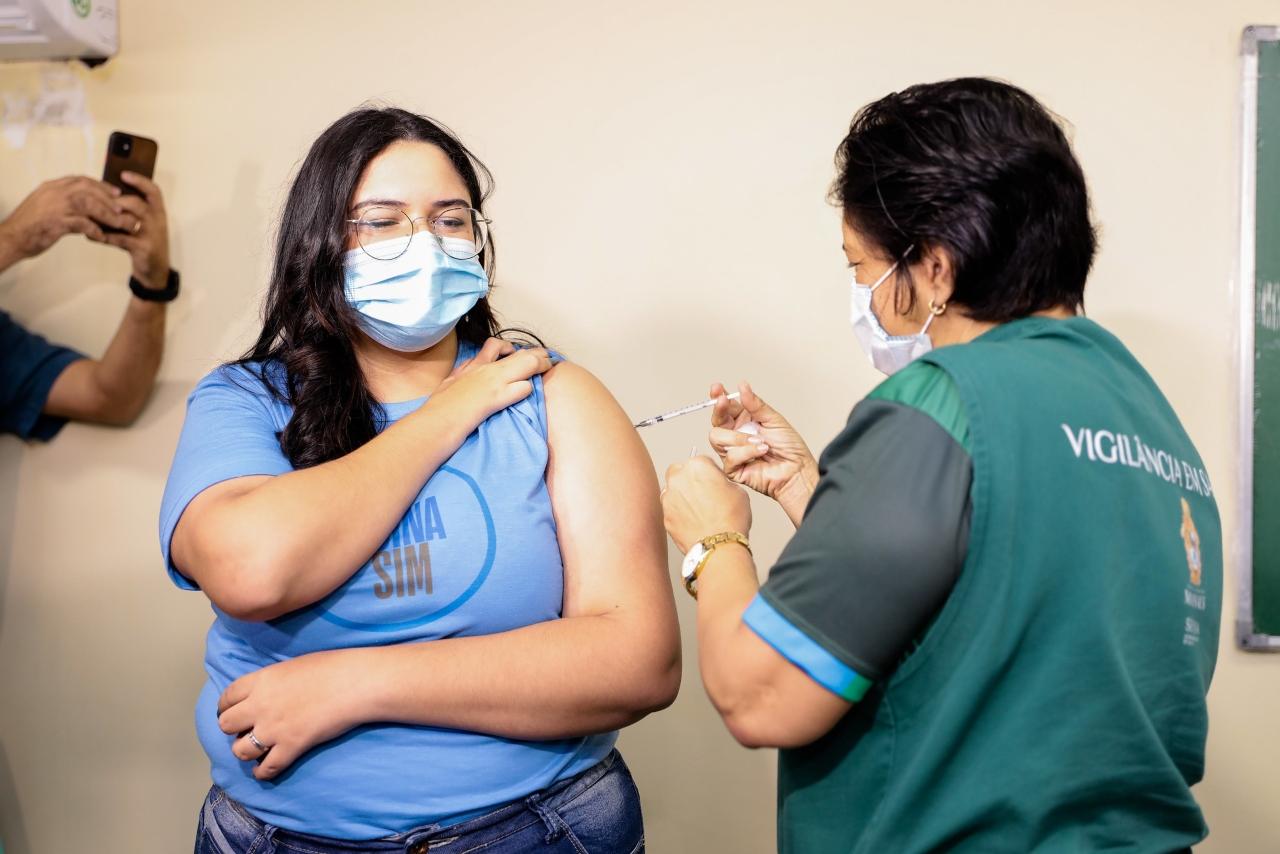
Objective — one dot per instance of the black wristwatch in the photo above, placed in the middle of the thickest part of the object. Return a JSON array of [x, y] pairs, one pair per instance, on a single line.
[[166, 294]]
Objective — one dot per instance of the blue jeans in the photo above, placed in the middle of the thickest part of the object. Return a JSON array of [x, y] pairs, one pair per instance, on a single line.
[[596, 812]]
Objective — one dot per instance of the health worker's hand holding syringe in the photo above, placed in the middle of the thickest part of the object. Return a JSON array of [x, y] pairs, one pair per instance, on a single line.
[[759, 449]]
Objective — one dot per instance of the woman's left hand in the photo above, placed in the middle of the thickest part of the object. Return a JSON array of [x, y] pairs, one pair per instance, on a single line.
[[290, 707], [700, 501]]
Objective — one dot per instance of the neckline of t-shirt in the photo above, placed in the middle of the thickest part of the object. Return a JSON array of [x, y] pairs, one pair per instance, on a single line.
[[396, 409]]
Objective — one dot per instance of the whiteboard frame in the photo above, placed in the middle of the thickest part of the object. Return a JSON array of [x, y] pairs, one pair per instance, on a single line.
[[1246, 276]]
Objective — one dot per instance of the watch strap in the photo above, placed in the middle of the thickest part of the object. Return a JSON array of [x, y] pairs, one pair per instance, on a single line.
[[166, 294]]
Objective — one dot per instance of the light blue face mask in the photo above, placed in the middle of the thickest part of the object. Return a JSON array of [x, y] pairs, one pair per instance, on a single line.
[[412, 302]]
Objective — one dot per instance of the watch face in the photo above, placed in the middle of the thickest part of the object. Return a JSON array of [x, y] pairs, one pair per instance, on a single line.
[[691, 560]]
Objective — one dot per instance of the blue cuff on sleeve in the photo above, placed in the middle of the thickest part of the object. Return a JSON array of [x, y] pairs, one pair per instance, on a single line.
[[802, 651]]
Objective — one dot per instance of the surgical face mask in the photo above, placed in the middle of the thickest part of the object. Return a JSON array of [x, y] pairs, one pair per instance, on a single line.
[[412, 302], [888, 353]]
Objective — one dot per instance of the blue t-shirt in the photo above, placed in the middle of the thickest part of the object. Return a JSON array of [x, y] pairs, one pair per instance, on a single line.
[[475, 554], [28, 367]]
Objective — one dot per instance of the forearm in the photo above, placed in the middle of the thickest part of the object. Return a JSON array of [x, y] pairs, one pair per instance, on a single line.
[[726, 587], [559, 679], [294, 538], [126, 373], [765, 700]]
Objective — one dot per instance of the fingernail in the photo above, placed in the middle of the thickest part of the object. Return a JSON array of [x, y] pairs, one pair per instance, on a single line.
[[763, 448], [753, 440], [694, 452]]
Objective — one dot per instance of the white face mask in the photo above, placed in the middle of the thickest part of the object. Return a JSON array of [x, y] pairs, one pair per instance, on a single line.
[[414, 301], [888, 353]]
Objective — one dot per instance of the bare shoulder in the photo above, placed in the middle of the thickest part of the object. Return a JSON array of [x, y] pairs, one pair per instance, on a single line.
[[568, 381], [579, 406], [572, 392]]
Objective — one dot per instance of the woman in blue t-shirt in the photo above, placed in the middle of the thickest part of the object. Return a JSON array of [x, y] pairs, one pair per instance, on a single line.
[[435, 559]]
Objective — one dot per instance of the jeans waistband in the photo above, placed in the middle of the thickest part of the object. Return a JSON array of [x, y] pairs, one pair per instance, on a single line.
[[536, 807]]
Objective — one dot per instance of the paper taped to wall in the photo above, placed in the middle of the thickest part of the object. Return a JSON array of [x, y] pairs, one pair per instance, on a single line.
[[59, 100]]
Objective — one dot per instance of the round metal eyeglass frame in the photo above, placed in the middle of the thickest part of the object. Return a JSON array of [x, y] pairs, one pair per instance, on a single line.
[[478, 218]]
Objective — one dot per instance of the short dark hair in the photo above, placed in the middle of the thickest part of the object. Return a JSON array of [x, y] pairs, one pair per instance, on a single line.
[[981, 169]]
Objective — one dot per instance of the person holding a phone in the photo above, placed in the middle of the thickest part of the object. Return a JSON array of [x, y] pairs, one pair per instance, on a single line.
[[43, 385]]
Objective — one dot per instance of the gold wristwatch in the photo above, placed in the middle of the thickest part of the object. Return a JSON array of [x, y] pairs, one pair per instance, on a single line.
[[701, 551]]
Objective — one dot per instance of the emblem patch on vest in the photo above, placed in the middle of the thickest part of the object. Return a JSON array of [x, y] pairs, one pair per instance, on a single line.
[[1192, 596], [1191, 542]]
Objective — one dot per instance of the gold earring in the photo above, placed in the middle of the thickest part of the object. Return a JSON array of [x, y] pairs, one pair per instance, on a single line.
[[936, 310]]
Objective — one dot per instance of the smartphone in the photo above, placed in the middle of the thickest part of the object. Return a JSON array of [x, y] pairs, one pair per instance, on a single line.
[[127, 152]]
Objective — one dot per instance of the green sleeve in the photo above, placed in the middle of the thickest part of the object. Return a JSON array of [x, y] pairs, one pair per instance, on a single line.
[[883, 538]]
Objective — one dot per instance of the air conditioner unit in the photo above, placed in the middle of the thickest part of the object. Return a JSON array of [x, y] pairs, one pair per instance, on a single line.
[[58, 29]]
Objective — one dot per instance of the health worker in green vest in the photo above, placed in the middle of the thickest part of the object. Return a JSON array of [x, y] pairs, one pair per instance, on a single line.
[[995, 625]]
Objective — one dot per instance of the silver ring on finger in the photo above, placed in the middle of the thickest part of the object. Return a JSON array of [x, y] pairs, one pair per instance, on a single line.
[[254, 739]]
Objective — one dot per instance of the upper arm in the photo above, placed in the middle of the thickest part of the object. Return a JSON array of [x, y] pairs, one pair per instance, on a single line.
[[31, 372], [604, 493], [876, 557], [228, 445]]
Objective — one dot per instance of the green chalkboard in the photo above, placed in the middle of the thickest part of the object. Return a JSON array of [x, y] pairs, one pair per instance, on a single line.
[[1259, 620]]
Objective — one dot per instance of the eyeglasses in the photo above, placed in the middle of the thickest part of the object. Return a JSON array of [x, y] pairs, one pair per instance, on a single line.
[[386, 233]]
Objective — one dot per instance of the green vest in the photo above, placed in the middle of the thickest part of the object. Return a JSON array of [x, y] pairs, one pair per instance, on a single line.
[[1057, 703]]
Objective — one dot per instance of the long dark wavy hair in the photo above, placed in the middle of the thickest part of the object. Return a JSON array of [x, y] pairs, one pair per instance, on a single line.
[[308, 328]]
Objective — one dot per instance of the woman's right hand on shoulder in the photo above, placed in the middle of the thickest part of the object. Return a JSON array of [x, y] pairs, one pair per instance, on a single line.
[[760, 449], [498, 376]]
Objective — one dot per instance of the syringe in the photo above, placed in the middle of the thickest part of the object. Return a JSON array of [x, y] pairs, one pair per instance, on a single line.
[[685, 411]]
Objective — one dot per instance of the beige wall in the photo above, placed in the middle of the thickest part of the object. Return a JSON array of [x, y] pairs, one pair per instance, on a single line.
[[661, 171]]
